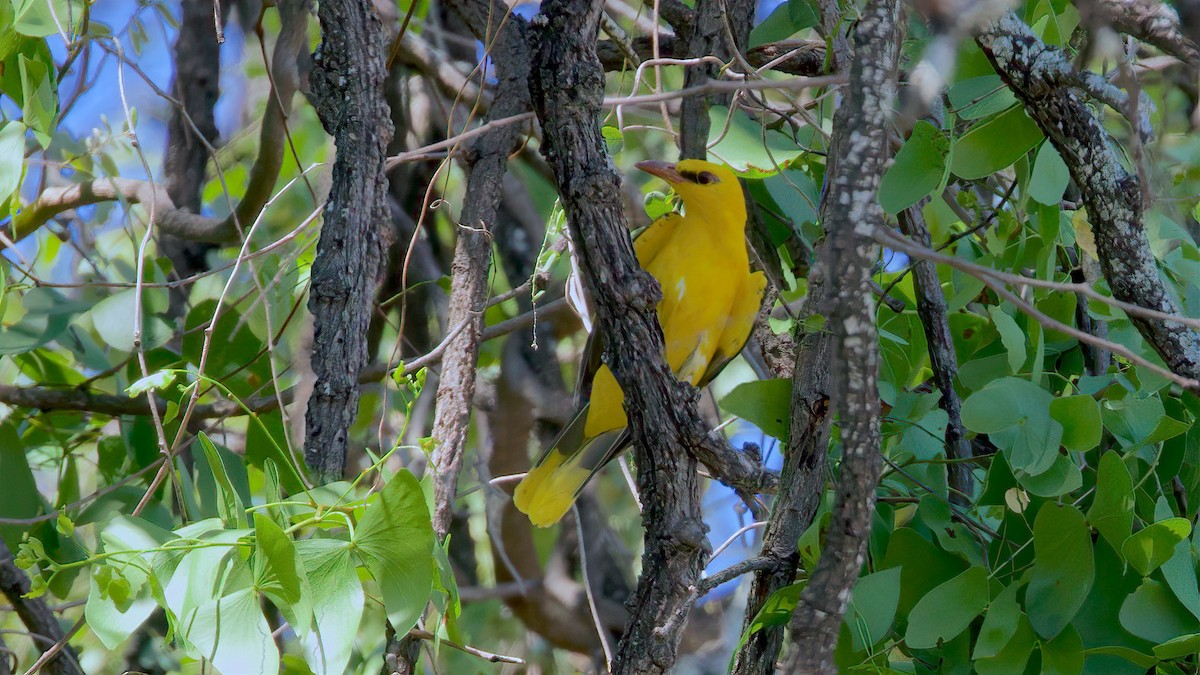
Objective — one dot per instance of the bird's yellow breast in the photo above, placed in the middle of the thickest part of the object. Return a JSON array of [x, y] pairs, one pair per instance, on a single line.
[[700, 265]]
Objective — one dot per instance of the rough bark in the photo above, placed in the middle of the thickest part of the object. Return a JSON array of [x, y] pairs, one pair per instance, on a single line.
[[859, 155], [712, 23], [349, 69], [567, 86], [532, 401], [34, 613], [1044, 81], [192, 127], [802, 482], [1096, 358], [931, 309], [488, 161], [1150, 21], [1189, 18]]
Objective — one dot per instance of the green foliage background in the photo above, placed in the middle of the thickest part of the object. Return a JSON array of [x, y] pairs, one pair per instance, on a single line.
[[1077, 553]]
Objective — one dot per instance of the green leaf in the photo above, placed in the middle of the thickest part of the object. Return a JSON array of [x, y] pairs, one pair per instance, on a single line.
[[1015, 414], [1050, 176], [999, 624], [337, 602], [1080, 419], [1062, 477], [35, 18], [40, 103], [152, 382], [279, 574], [923, 566], [788, 19], [1150, 548], [747, 146], [980, 97], [948, 609], [229, 505], [12, 158], [47, 314], [232, 632], [1152, 613], [1064, 654], [614, 140], [1138, 659], [995, 144], [796, 194], [19, 498], [1139, 422], [192, 577], [1111, 512], [114, 316], [765, 403], [1063, 570], [445, 581], [919, 169], [775, 611], [1014, 656], [395, 540], [111, 623], [1178, 648], [873, 607], [1011, 336], [1180, 573]]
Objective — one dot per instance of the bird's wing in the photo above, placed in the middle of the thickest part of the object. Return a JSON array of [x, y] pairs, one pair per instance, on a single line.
[[646, 244], [654, 238], [551, 486], [737, 329]]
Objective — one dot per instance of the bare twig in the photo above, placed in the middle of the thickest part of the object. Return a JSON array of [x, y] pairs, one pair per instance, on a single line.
[[467, 649]]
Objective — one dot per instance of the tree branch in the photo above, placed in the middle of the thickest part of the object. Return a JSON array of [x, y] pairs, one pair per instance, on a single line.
[[708, 38], [1111, 194], [931, 308], [794, 57], [175, 220], [191, 130], [802, 481], [1150, 21], [567, 87], [859, 155], [469, 272], [34, 613], [349, 69]]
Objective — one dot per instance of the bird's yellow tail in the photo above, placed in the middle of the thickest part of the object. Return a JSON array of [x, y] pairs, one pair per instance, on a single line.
[[551, 486]]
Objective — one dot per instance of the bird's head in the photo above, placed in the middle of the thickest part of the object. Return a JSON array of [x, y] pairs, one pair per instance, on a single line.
[[704, 187]]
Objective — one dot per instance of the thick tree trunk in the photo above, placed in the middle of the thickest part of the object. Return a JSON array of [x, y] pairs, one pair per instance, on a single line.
[[349, 69], [858, 156]]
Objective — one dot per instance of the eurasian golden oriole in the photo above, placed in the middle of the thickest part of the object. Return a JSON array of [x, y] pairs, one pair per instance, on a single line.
[[710, 299]]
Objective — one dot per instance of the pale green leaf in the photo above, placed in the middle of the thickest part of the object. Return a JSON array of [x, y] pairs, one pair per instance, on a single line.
[[395, 540]]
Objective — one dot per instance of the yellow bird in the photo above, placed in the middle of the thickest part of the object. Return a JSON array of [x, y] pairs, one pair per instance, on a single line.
[[710, 299]]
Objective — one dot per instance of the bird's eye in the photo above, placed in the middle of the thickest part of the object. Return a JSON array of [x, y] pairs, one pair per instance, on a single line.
[[707, 178]]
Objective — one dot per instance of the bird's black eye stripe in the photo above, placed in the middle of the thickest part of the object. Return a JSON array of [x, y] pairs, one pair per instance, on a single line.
[[702, 177]]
